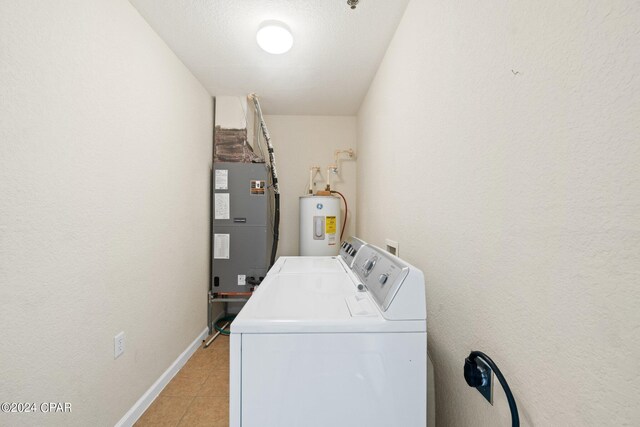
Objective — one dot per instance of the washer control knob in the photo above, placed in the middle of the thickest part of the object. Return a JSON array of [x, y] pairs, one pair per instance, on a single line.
[[368, 265], [383, 278], [352, 251]]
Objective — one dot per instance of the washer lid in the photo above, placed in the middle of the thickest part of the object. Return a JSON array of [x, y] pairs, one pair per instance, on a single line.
[[320, 264], [309, 303]]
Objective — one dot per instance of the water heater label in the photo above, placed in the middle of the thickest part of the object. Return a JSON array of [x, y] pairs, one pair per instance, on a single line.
[[222, 179], [330, 227]]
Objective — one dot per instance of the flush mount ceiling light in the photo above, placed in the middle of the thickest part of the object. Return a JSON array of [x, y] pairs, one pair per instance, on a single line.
[[274, 37]]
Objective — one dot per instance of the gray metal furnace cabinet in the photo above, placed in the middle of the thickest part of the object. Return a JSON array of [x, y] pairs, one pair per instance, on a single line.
[[242, 232]]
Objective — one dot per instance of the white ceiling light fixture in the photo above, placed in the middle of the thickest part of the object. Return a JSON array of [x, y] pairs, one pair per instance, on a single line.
[[274, 37]]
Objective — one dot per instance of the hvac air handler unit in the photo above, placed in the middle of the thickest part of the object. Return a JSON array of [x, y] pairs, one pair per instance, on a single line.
[[242, 234]]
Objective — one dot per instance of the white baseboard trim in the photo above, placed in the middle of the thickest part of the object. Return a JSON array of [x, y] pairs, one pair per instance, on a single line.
[[150, 395]]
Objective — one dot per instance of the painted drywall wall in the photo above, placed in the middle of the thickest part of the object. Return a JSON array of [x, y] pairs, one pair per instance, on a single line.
[[499, 144], [104, 186], [301, 142]]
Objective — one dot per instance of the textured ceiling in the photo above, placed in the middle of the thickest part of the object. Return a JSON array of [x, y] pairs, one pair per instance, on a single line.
[[335, 55]]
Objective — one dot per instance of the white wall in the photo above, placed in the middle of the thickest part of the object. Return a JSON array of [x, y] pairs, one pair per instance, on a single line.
[[499, 145], [301, 142], [104, 187]]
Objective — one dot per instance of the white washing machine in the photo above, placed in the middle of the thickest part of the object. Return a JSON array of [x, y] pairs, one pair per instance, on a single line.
[[345, 348], [320, 264]]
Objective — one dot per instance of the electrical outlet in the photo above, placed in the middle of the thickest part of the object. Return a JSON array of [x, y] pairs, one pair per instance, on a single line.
[[486, 388], [118, 345]]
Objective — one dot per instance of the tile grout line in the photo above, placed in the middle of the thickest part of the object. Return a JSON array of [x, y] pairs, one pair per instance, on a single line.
[[193, 398], [185, 412]]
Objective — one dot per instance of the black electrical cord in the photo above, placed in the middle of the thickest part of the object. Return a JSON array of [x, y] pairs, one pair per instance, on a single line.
[[473, 376], [276, 228], [346, 212]]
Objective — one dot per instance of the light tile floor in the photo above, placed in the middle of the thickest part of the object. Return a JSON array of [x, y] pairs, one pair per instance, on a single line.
[[198, 395]]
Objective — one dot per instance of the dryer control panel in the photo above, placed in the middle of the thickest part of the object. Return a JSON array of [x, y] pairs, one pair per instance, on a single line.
[[381, 272]]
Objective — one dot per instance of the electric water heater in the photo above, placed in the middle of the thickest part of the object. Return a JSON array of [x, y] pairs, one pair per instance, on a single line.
[[319, 225]]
